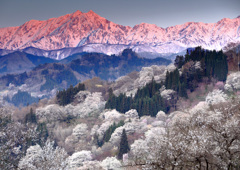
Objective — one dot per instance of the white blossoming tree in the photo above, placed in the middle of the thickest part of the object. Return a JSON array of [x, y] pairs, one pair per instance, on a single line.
[[46, 157], [111, 163], [78, 158], [15, 138], [216, 96], [208, 139]]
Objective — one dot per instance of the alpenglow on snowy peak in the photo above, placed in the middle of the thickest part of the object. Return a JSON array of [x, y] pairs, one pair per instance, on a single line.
[[97, 34]]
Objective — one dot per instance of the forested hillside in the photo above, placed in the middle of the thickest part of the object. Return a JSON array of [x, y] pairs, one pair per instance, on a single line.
[[192, 69], [47, 78], [145, 123]]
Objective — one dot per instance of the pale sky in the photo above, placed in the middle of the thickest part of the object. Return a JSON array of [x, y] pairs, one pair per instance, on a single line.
[[163, 13]]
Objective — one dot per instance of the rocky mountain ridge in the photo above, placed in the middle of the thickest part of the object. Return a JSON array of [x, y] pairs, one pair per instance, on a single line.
[[93, 33]]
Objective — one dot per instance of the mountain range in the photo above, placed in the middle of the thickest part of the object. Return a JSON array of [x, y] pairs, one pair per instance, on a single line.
[[49, 75], [81, 92], [18, 62], [60, 37]]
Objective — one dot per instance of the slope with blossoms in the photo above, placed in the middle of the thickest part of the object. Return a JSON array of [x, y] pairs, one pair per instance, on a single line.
[[201, 129], [93, 33]]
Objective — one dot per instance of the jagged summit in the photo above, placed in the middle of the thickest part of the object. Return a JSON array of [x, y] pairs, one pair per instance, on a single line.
[[95, 33], [77, 13], [91, 12], [146, 25]]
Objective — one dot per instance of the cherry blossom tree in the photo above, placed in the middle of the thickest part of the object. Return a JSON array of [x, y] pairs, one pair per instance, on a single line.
[[46, 157], [205, 138], [15, 138]]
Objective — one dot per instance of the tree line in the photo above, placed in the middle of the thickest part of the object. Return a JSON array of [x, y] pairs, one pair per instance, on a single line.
[[195, 65], [65, 97], [147, 100]]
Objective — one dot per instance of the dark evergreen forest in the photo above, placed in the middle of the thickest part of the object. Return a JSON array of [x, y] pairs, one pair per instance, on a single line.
[[65, 97]]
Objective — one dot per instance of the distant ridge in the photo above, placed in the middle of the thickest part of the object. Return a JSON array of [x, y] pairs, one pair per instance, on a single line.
[[94, 33]]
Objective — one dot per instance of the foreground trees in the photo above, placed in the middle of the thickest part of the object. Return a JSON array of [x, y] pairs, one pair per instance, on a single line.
[[124, 147], [202, 139], [15, 138], [46, 157]]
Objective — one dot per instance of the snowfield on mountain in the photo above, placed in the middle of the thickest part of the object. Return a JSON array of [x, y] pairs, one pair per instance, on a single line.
[[93, 33]]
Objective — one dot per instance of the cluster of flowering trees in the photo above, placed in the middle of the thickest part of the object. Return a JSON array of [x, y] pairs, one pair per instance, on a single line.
[[205, 137], [202, 139], [46, 157], [15, 138]]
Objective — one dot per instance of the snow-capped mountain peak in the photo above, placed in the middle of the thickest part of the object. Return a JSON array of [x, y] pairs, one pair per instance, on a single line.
[[86, 29]]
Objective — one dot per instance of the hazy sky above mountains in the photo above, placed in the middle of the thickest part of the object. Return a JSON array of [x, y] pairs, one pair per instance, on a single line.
[[163, 13]]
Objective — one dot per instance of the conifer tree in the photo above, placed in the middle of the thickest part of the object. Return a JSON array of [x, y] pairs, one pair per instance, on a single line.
[[30, 117], [124, 147], [167, 85], [42, 133], [187, 57], [65, 97]]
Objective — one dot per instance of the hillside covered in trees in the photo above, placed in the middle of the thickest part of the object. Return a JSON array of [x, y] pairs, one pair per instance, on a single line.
[[65, 97], [197, 65], [148, 127], [46, 78]]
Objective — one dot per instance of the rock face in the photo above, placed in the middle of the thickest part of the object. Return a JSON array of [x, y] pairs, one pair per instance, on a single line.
[[94, 33]]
